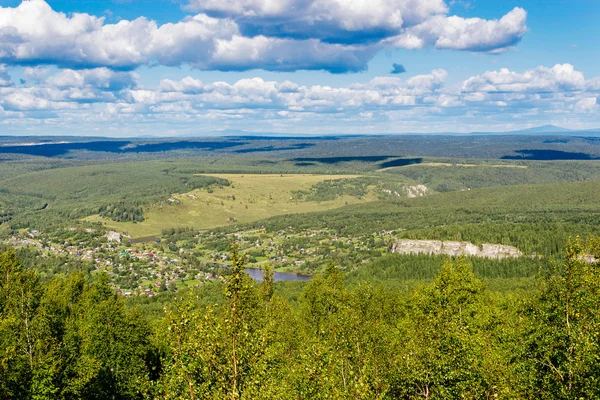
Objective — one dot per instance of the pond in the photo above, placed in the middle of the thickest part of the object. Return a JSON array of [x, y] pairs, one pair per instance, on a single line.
[[257, 275]]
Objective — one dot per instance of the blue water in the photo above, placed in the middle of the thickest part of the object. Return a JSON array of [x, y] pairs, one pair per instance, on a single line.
[[257, 275]]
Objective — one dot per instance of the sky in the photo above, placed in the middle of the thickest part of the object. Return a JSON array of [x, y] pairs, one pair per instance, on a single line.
[[203, 67]]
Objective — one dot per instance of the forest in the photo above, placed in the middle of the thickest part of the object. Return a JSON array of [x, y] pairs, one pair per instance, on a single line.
[[342, 337]]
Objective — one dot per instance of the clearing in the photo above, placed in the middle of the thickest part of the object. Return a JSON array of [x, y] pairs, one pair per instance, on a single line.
[[250, 197]]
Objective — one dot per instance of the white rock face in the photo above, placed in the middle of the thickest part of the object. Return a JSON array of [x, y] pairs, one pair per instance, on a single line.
[[113, 236], [455, 249], [416, 191]]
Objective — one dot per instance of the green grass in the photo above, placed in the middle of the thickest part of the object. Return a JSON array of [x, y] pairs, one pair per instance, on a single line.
[[257, 196]]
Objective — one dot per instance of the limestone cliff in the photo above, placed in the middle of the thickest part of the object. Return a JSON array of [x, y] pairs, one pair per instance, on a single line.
[[496, 251]]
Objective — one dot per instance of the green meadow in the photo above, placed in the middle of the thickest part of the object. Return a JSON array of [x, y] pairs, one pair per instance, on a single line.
[[248, 198]]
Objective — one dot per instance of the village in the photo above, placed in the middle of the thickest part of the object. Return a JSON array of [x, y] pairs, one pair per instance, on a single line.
[[183, 258]]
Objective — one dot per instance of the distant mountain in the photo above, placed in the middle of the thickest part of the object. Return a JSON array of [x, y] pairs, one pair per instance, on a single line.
[[548, 130], [544, 129]]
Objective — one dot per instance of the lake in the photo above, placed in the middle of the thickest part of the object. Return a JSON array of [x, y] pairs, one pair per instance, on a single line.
[[257, 275]]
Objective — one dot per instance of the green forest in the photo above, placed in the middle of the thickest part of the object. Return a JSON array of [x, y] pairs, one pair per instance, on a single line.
[[338, 336]]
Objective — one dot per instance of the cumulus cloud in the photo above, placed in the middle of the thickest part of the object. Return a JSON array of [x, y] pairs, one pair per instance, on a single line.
[[278, 35], [187, 85], [101, 78], [540, 93], [33, 33], [36, 74], [67, 89], [593, 85], [587, 104], [472, 34], [289, 55], [26, 100], [560, 78], [333, 21], [402, 23]]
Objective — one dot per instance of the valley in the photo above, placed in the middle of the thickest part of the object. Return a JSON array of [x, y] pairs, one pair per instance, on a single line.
[[346, 241]]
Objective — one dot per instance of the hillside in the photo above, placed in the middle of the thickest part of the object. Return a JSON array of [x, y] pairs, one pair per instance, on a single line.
[[247, 198], [534, 218]]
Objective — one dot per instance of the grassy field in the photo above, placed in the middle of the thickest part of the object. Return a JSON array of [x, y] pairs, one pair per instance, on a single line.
[[250, 197]]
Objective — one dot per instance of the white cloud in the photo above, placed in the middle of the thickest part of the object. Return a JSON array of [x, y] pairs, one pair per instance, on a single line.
[[593, 84], [26, 100], [401, 23], [587, 104], [533, 95], [560, 78], [472, 34], [274, 54], [100, 78], [282, 35], [192, 41], [336, 21], [187, 85], [33, 33], [37, 74], [353, 13]]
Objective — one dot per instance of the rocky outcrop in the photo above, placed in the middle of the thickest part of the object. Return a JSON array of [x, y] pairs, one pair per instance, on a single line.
[[113, 237], [416, 191], [438, 247]]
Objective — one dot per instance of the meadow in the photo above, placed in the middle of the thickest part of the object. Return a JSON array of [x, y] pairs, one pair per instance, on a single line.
[[247, 198]]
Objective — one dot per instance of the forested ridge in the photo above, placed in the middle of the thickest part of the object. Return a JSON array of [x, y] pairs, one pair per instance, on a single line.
[[70, 336]]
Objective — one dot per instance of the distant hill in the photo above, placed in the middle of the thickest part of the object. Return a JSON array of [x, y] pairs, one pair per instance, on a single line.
[[545, 129], [548, 130]]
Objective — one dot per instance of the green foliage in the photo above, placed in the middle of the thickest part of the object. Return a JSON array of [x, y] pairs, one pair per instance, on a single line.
[[542, 238], [443, 333], [560, 354], [399, 327], [451, 339], [68, 338], [332, 189], [369, 327], [19, 298], [401, 267], [458, 175], [218, 353], [122, 212]]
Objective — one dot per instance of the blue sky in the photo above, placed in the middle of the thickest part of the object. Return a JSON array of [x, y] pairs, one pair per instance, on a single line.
[[197, 67]]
